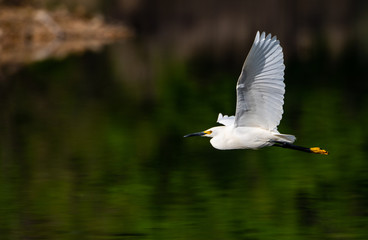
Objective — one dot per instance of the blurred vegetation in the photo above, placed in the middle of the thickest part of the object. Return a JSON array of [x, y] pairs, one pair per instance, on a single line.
[[91, 146], [84, 158]]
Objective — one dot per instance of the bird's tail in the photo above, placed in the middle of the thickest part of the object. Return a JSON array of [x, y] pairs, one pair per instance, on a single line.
[[285, 137]]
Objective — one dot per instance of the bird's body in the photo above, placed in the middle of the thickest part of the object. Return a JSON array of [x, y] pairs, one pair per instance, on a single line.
[[260, 97], [230, 137]]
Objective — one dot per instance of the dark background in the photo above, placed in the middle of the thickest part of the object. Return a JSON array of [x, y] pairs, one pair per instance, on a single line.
[[91, 144]]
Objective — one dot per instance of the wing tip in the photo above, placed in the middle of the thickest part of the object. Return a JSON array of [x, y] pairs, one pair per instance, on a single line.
[[256, 39], [262, 36], [219, 117]]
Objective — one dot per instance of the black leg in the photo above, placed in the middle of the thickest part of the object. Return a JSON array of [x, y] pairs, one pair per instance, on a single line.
[[299, 148]]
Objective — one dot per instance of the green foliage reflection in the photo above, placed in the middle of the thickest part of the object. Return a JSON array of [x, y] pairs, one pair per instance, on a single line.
[[85, 157]]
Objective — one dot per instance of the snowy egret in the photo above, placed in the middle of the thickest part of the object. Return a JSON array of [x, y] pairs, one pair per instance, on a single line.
[[260, 97]]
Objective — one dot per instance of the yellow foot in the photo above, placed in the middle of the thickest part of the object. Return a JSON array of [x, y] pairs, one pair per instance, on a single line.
[[318, 150]]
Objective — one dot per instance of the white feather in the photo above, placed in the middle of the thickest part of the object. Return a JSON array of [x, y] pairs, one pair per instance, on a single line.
[[260, 87], [225, 120]]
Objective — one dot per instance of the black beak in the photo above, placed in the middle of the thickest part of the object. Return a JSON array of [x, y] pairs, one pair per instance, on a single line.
[[195, 134]]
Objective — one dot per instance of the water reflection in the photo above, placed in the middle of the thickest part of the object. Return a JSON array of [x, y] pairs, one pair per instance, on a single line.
[[30, 34], [91, 147]]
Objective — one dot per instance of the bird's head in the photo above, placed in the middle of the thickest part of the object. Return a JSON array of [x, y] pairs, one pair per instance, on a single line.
[[208, 133]]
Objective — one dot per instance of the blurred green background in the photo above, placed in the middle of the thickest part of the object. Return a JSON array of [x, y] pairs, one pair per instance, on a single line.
[[91, 145]]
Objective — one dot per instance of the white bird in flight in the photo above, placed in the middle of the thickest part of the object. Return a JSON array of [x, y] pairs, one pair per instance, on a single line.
[[260, 97]]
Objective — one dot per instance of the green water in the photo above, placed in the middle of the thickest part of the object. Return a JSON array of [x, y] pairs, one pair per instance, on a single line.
[[91, 148]]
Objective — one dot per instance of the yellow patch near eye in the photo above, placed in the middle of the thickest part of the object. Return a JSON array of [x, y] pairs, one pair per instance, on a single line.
[[207, 132]]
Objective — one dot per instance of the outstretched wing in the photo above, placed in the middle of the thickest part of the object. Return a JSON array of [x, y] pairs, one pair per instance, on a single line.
[[260, 87]]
